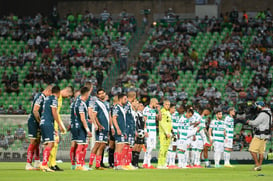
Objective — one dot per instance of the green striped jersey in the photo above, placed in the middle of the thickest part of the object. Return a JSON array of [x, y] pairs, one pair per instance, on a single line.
[[151, 118], [229, 126], [175, 119], [183, 127], [218, 129]]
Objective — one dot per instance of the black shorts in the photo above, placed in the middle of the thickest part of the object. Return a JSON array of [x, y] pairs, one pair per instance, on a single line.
[[139, 141]]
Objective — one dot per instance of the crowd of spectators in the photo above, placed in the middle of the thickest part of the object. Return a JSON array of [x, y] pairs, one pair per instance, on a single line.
[[8, 139]]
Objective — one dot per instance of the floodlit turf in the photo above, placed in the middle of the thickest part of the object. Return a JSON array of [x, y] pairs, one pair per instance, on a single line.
[[10, 171]]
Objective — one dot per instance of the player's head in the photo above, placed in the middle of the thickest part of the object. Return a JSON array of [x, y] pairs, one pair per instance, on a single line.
[[67, 92], [85, 93], [166, 104], [77, 93], [115, 100], [122, 98], [172, 108], [153, 103], [106, 98], [47, 91], [232, 111], [135, 104], [89, 85], [206, 112], [131, 96], [101, 94], [219, 114], [56, 91], [189, 112], [140, 107]]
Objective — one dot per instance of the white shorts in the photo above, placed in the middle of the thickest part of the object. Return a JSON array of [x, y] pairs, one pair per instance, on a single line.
[[198, 144], [182, 144], [174, 143], [190, 142], [151, 141], [218, 146], [228, 143]]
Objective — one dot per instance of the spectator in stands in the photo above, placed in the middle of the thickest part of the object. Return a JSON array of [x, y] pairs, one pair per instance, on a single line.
[[248, 139], [99, 76], [20, 133], [2, 109], [10, 110], [105, 15], [9, 137], [3, 142], [47, 52], [29, 79], [20, 110], [5, 78], [116, 90]]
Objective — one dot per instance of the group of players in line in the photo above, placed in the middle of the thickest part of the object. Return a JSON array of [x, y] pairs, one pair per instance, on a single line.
[[126, 127]]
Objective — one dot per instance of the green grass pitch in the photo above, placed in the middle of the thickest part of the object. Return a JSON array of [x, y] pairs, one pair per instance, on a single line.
[[14, 171]]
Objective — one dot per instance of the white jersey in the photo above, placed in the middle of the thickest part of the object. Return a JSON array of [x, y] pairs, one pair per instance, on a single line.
[[175, 121], [150, 114], [218, 129], [183, 127], [229, 126]]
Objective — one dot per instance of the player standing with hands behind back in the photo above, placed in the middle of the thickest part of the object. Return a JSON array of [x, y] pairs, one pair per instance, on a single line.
[[151, 114]]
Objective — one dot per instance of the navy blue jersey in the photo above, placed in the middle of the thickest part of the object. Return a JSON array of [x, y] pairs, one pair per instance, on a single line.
[[47, 116], [102, 109], [73, 113], [130, 121], [80, 107], [121, 117], [39, 99], [90, 102]]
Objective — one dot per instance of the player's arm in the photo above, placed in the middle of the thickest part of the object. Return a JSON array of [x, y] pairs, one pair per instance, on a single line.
[[115, 121], [91, 116], [163, 124], [84, 122], [36, 112], [56, 117], [145, 126], [97, 121], [210, 134], [111, 124], [159, 116]]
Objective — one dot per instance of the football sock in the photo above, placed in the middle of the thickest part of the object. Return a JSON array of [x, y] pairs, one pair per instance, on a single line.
[[92, 157], [37, 152], [30, 152], [46, 155], [98, 160], [72, 155], [111, 156], [227, 157]]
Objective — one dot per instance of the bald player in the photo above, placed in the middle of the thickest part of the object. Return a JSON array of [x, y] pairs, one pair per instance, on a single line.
[[65, 93], [34, 130], [151, 114]]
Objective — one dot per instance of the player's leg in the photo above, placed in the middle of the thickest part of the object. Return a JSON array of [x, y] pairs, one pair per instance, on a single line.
[[227, 151], [118, 155], [111, 152], [37, 162], [32, 134], [72, 154], [93, 154], [219, 148], [173, 155], [99, 155], [53, 155], [205, 153], [81, 145]]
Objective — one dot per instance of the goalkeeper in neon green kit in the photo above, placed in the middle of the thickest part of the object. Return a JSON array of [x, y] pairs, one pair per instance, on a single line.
[[165, 128]]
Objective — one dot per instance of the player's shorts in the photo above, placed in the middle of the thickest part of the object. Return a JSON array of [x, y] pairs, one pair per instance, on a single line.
[[190, 142], [47, 133], [198, 144], [81, 135], [102, 136], [151, 140], [174, 143], [228, 143], [140, 141], [131, 139], [218, 146], [182, 144], [34, 130], [74, 133], [120, 139], [257, 145]]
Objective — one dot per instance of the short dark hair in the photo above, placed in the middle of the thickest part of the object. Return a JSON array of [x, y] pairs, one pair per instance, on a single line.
[[120, 96], [217, 111], [172, 105], [100, 89], [55, 89], [84, 90]]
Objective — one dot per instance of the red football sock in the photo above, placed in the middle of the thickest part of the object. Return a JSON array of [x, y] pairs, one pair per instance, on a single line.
[[79, 154], [92, 157], [115, 159], [30, 152], [98, 160], [119, 159], [72, 155], [129, 156], [124, 155], [37, 152], [84, 153], [46, 154]]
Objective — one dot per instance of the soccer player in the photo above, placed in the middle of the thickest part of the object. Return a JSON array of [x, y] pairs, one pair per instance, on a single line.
[[173, 146], [229, 126], [216, 135], [111, 149], [49, 114], [34, 131], [130, 130], [119, 121], [151, 114], [83, 131], [140, 134], [165, 135], [73, 129], [183, 129], [102, 118], [65, 93]]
